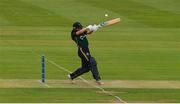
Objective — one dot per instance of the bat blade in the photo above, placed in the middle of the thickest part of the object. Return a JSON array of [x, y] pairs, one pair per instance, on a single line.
[[110, 22]]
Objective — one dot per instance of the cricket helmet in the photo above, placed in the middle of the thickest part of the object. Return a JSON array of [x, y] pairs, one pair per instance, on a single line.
[[77, 25]]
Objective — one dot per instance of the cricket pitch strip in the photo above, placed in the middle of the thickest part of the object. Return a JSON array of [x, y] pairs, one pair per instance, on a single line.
[[33, 83]]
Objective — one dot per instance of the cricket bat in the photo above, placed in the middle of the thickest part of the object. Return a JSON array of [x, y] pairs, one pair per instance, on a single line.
[[109, 23]]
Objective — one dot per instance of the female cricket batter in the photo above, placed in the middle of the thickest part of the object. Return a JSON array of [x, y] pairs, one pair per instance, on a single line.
[[78, 35]]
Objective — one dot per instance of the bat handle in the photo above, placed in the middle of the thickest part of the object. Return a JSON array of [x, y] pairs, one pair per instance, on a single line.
[[102, 24]]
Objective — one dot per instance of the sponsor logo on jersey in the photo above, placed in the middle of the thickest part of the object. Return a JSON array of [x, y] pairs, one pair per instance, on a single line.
[[82, 37]]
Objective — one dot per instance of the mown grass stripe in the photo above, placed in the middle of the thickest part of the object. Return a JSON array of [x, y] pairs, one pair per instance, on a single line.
[[141, 13], [20, 13]]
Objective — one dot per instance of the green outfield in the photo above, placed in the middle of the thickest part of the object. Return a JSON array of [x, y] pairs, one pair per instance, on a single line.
[[145, 46]]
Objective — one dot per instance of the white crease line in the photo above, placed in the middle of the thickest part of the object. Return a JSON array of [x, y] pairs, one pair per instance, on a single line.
[[84, 80]]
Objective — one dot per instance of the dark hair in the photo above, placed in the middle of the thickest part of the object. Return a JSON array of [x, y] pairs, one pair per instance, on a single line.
[[77, 25]]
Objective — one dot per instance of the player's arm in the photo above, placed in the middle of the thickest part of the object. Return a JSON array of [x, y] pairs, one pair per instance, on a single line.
[[89, 29], [83, 30]]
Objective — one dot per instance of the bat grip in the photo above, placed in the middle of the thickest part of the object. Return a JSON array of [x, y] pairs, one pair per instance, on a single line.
[[102, 25]]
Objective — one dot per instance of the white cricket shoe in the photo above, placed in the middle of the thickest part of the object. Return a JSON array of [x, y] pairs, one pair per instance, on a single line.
[[71, 80], [99, 82]]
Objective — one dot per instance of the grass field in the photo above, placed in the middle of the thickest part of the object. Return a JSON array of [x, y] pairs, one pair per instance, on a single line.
[[144, 46]]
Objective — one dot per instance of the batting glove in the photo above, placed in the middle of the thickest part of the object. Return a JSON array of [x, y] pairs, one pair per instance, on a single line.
[[95, 28], [90, 27]]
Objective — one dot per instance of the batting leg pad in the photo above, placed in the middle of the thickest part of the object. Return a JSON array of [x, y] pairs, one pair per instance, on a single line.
[[94, 69]]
